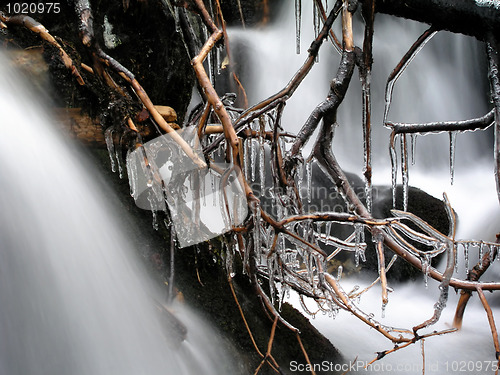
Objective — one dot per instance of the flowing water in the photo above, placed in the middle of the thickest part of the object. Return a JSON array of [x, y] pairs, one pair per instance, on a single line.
[[446, 81], [73, 297]]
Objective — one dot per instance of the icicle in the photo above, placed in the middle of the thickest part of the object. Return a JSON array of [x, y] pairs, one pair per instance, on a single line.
[[328, 229], [466, 257], [481, 251], [359, 238], [453, 141], [317, 24], [413, 138], [119, 163], [255, 208], [248, 147], [309, 179], [272, 269], [299, 178], [339, 273], [153, 210], [368, 195], [229, 261], [394, 166], [203, 176], [404, 171], [132, 173], [384, 305], [218, 60], [426, 267], [262, 169], [213, 182], [298, 17], [108, 136], [493, 250], [253, 156]]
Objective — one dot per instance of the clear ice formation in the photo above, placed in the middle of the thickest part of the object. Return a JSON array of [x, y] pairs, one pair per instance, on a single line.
[[163, 177]]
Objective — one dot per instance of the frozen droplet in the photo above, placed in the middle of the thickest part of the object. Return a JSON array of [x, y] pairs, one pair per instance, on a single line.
[[339, 272]]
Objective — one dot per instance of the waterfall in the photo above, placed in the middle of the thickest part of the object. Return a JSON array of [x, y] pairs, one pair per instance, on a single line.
[[446, 81], [73, 296]]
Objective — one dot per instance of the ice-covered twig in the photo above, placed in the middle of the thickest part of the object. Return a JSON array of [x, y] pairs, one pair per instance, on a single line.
[[403, 64], [335, 41], [271, 102], [382, 354], [479, 123], [349, 305], [365, 71], [378, 240], [474, 275], [492, 51], [491, 321]]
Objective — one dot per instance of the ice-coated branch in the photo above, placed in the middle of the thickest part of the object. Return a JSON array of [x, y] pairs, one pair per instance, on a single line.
[[365, 71], [474, 275], [492, 50], [491, 321], [403, 64], [273, 101], [327, 110], [479, 123]]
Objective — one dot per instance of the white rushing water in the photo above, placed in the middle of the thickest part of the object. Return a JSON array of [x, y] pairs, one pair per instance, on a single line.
[[446, 81], [73, 297]]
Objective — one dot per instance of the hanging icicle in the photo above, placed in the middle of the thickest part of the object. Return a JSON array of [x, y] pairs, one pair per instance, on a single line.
[[298, 21], [359, 239], [413, 138], [253, 157], [394, 167], [108, 136], [404, 170], [466, 257], [316, 24], [309, 179], [453, 141]]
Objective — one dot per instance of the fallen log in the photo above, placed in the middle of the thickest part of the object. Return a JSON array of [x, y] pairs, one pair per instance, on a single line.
[[470, 17]]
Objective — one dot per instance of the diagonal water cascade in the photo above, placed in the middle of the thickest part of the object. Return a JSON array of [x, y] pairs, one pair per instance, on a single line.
[[73, 299]]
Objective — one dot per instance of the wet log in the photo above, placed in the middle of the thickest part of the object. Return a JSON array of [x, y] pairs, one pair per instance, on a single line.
[[470, 17], [77, 124]]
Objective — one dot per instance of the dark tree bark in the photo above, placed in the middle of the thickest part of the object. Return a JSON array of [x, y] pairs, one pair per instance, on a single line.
[[459, 16]]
